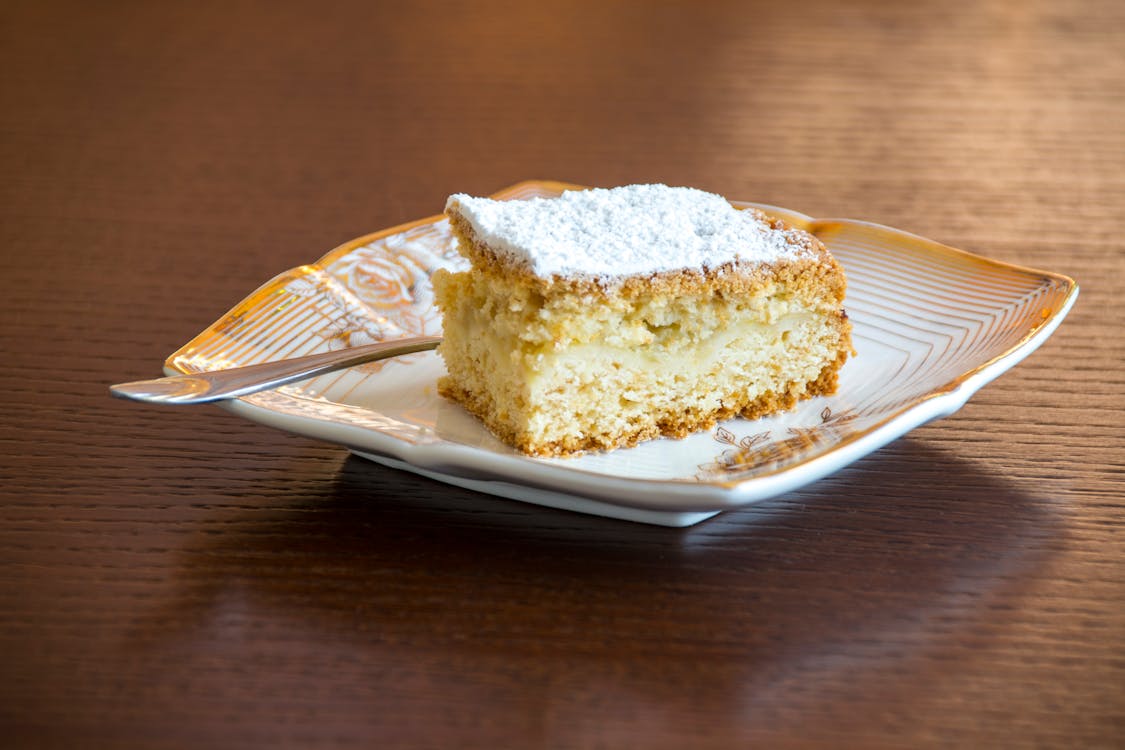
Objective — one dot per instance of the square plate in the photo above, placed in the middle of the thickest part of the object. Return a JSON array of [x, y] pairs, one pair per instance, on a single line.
[[931, 326]]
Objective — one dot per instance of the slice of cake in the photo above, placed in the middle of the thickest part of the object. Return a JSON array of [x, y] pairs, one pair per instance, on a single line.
[[602, 318]]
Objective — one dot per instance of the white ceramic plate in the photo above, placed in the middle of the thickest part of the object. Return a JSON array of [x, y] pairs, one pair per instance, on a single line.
[[931, 326]]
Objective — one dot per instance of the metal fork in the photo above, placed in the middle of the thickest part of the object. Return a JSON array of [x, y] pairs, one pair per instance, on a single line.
[[216, 385]]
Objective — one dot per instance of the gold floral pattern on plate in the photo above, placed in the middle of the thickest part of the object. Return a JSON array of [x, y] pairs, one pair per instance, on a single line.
[[760, 452]]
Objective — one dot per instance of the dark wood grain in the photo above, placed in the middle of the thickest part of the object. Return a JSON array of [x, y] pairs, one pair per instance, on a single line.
[[185, 579]]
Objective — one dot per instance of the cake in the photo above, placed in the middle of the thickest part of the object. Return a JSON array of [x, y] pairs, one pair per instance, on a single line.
[[605, 317]]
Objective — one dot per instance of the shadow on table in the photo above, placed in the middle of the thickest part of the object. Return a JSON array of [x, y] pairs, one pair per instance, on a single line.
[[807, 597]]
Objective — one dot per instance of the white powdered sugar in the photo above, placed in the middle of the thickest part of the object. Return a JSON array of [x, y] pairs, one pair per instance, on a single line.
[[624, 231]]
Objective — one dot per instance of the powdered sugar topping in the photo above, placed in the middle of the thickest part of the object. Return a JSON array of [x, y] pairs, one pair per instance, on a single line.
[[625, 231]]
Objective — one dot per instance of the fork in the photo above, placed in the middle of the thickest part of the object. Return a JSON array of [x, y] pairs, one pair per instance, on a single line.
[[217, 385]]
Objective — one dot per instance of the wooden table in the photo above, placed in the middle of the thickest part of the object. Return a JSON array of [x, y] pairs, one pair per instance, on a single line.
[[183, 578]]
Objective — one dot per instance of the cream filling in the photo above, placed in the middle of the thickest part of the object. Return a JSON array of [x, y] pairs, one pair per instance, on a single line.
[[765, 340]]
